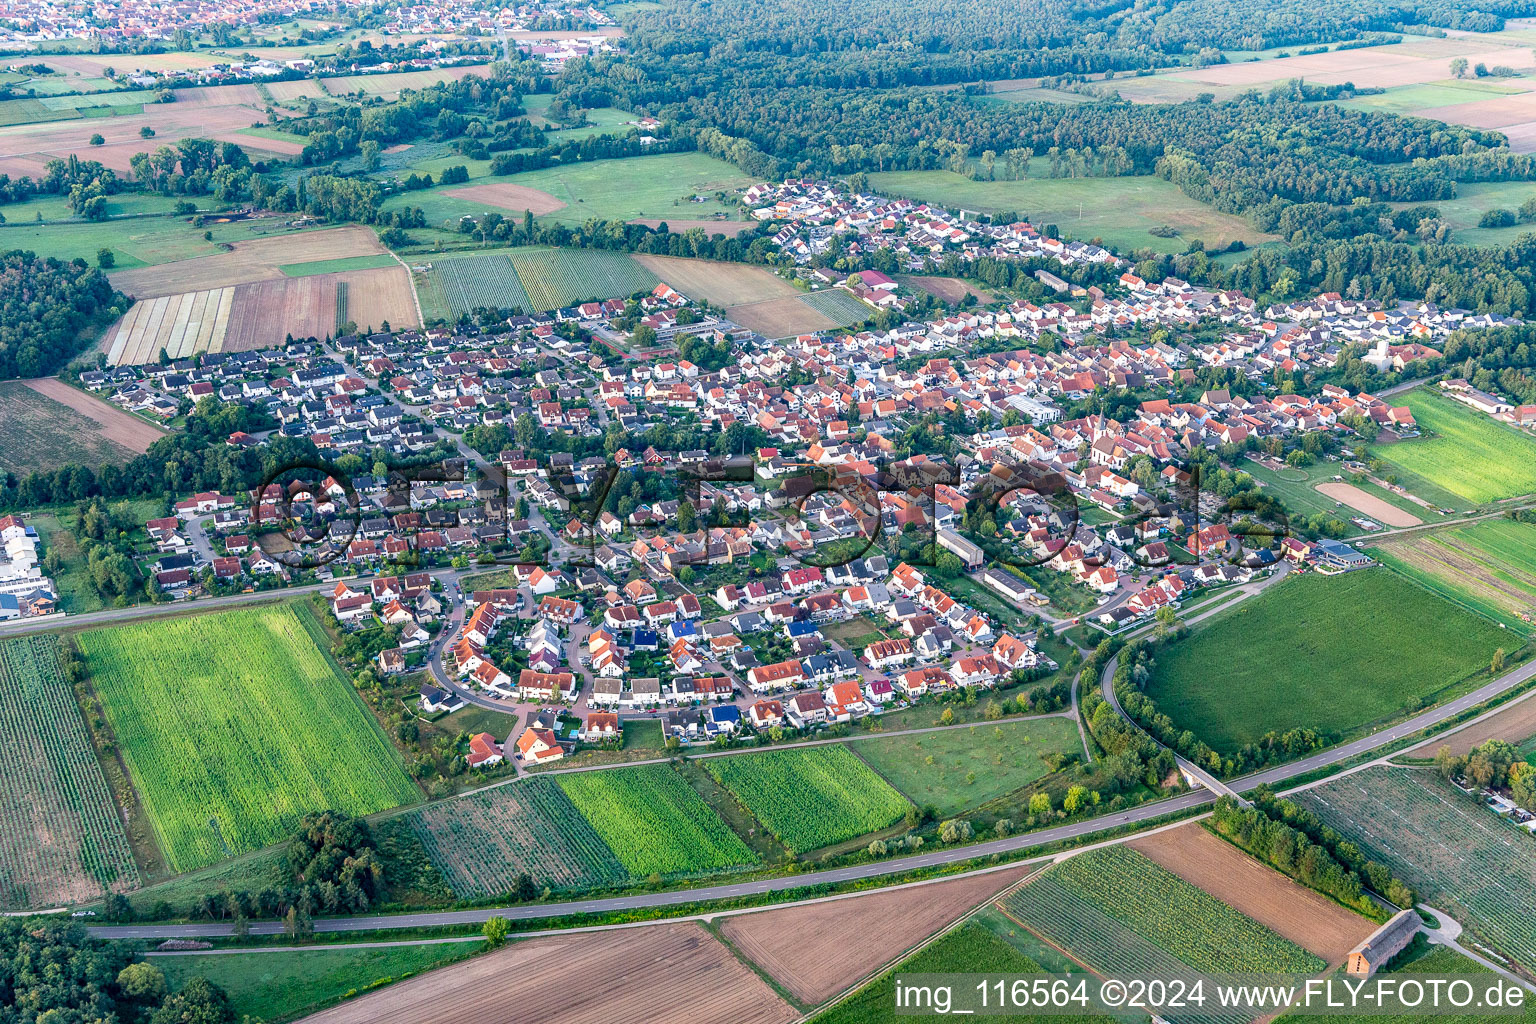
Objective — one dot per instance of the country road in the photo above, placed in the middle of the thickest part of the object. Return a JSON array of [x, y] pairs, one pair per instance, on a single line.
[[935, 858]]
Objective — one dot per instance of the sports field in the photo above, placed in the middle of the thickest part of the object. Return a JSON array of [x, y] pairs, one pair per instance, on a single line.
[[61, 840], [1489, 567], [1334, 654], [1121, 211], [810, 797], [959, 768], [1454, 851], [233, 726], [1474, 457]]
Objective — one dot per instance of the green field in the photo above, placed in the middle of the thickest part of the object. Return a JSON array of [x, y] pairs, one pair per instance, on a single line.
[[619, 189], [233, 726], [1335, 654], [1473, 199], [61, 840], [1463, 451], [973, 948], [1489, 567], [1456, 853], [482, 841], [654, 822], [1296, 487], [136, 242], [462, 285], [372, 262], [553, 278], [957, 769], [41, 433], [1121, 211], [810, 797], [279, 985]]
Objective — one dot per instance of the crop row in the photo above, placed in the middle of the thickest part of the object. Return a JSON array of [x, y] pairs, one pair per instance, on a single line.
[[1169, 912], [654, 822], [810, 797], [61, 839], [1444, 844], [233, 726], [482, 842], [481, 282], [559, 277]]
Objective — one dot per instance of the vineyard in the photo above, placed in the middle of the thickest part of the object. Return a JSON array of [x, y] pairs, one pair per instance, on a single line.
[[61, 840], [1443, 843], [654, 822], [341, 305], [1121, 915], [487, 281], [811, 797], [840, 306], [483, 841], [554, 278], [233, 726]]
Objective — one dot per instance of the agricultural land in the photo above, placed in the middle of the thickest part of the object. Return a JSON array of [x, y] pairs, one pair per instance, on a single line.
[[48, 423], [1489, 567], [233, 726], [1453, 850], [812, 797], [1275, 662], [61, 840], [1464, 452]]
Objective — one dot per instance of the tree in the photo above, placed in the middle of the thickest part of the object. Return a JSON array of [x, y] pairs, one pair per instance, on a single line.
[[1075, 799], [1497, 665], [496, 929], [143, 982], [105, 259], [1459, 67], [1447, 763], [955, 830], [1040, 803], [687, 518], [1167, 619], [97, 140], [146, 132], [200, 1001]]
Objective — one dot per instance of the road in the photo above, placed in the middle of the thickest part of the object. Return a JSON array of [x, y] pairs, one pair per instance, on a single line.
[[935, 858]]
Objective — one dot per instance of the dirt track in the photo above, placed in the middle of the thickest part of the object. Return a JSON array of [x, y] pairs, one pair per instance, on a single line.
[[664, 974], [816, 951], [1293, 911]]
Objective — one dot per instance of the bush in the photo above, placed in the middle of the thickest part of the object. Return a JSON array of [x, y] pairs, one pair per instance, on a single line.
[[1496, 218]]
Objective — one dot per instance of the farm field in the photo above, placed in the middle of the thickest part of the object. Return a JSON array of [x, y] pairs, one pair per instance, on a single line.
[[664, 972], [619, 189], [960, 768], [976, 947], [388, 85], [481, 842], [1455, 852], [279, 985], [238, 318], [840, 306], [720, 284], [782, 318], [61, 839], [336, 266], [1435, 960], [458, 286], [1463, 451], [818, 950], [654, 822], [1489, 567], [504, 195], [553, 278], [233, 726], [1516, 724], [947, 289], [48, 423], [811, 797], [252, 259], [1121, 211], [1274, 662], [1291, 910], [134, 242]]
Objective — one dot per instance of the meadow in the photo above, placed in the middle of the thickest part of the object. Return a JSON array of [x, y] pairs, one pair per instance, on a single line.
[[1462, 451], [1452, 850], [960, 768], [1489, 567], [1473, 199], [618, 189], [133, 241], [233, 726], [1121, 211], [810, 797], [1279, 661], [654, 822], [61, 840], [281, 985], [481, 842]]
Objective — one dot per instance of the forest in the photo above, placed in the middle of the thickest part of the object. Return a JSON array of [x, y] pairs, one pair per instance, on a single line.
[[46, 306]]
